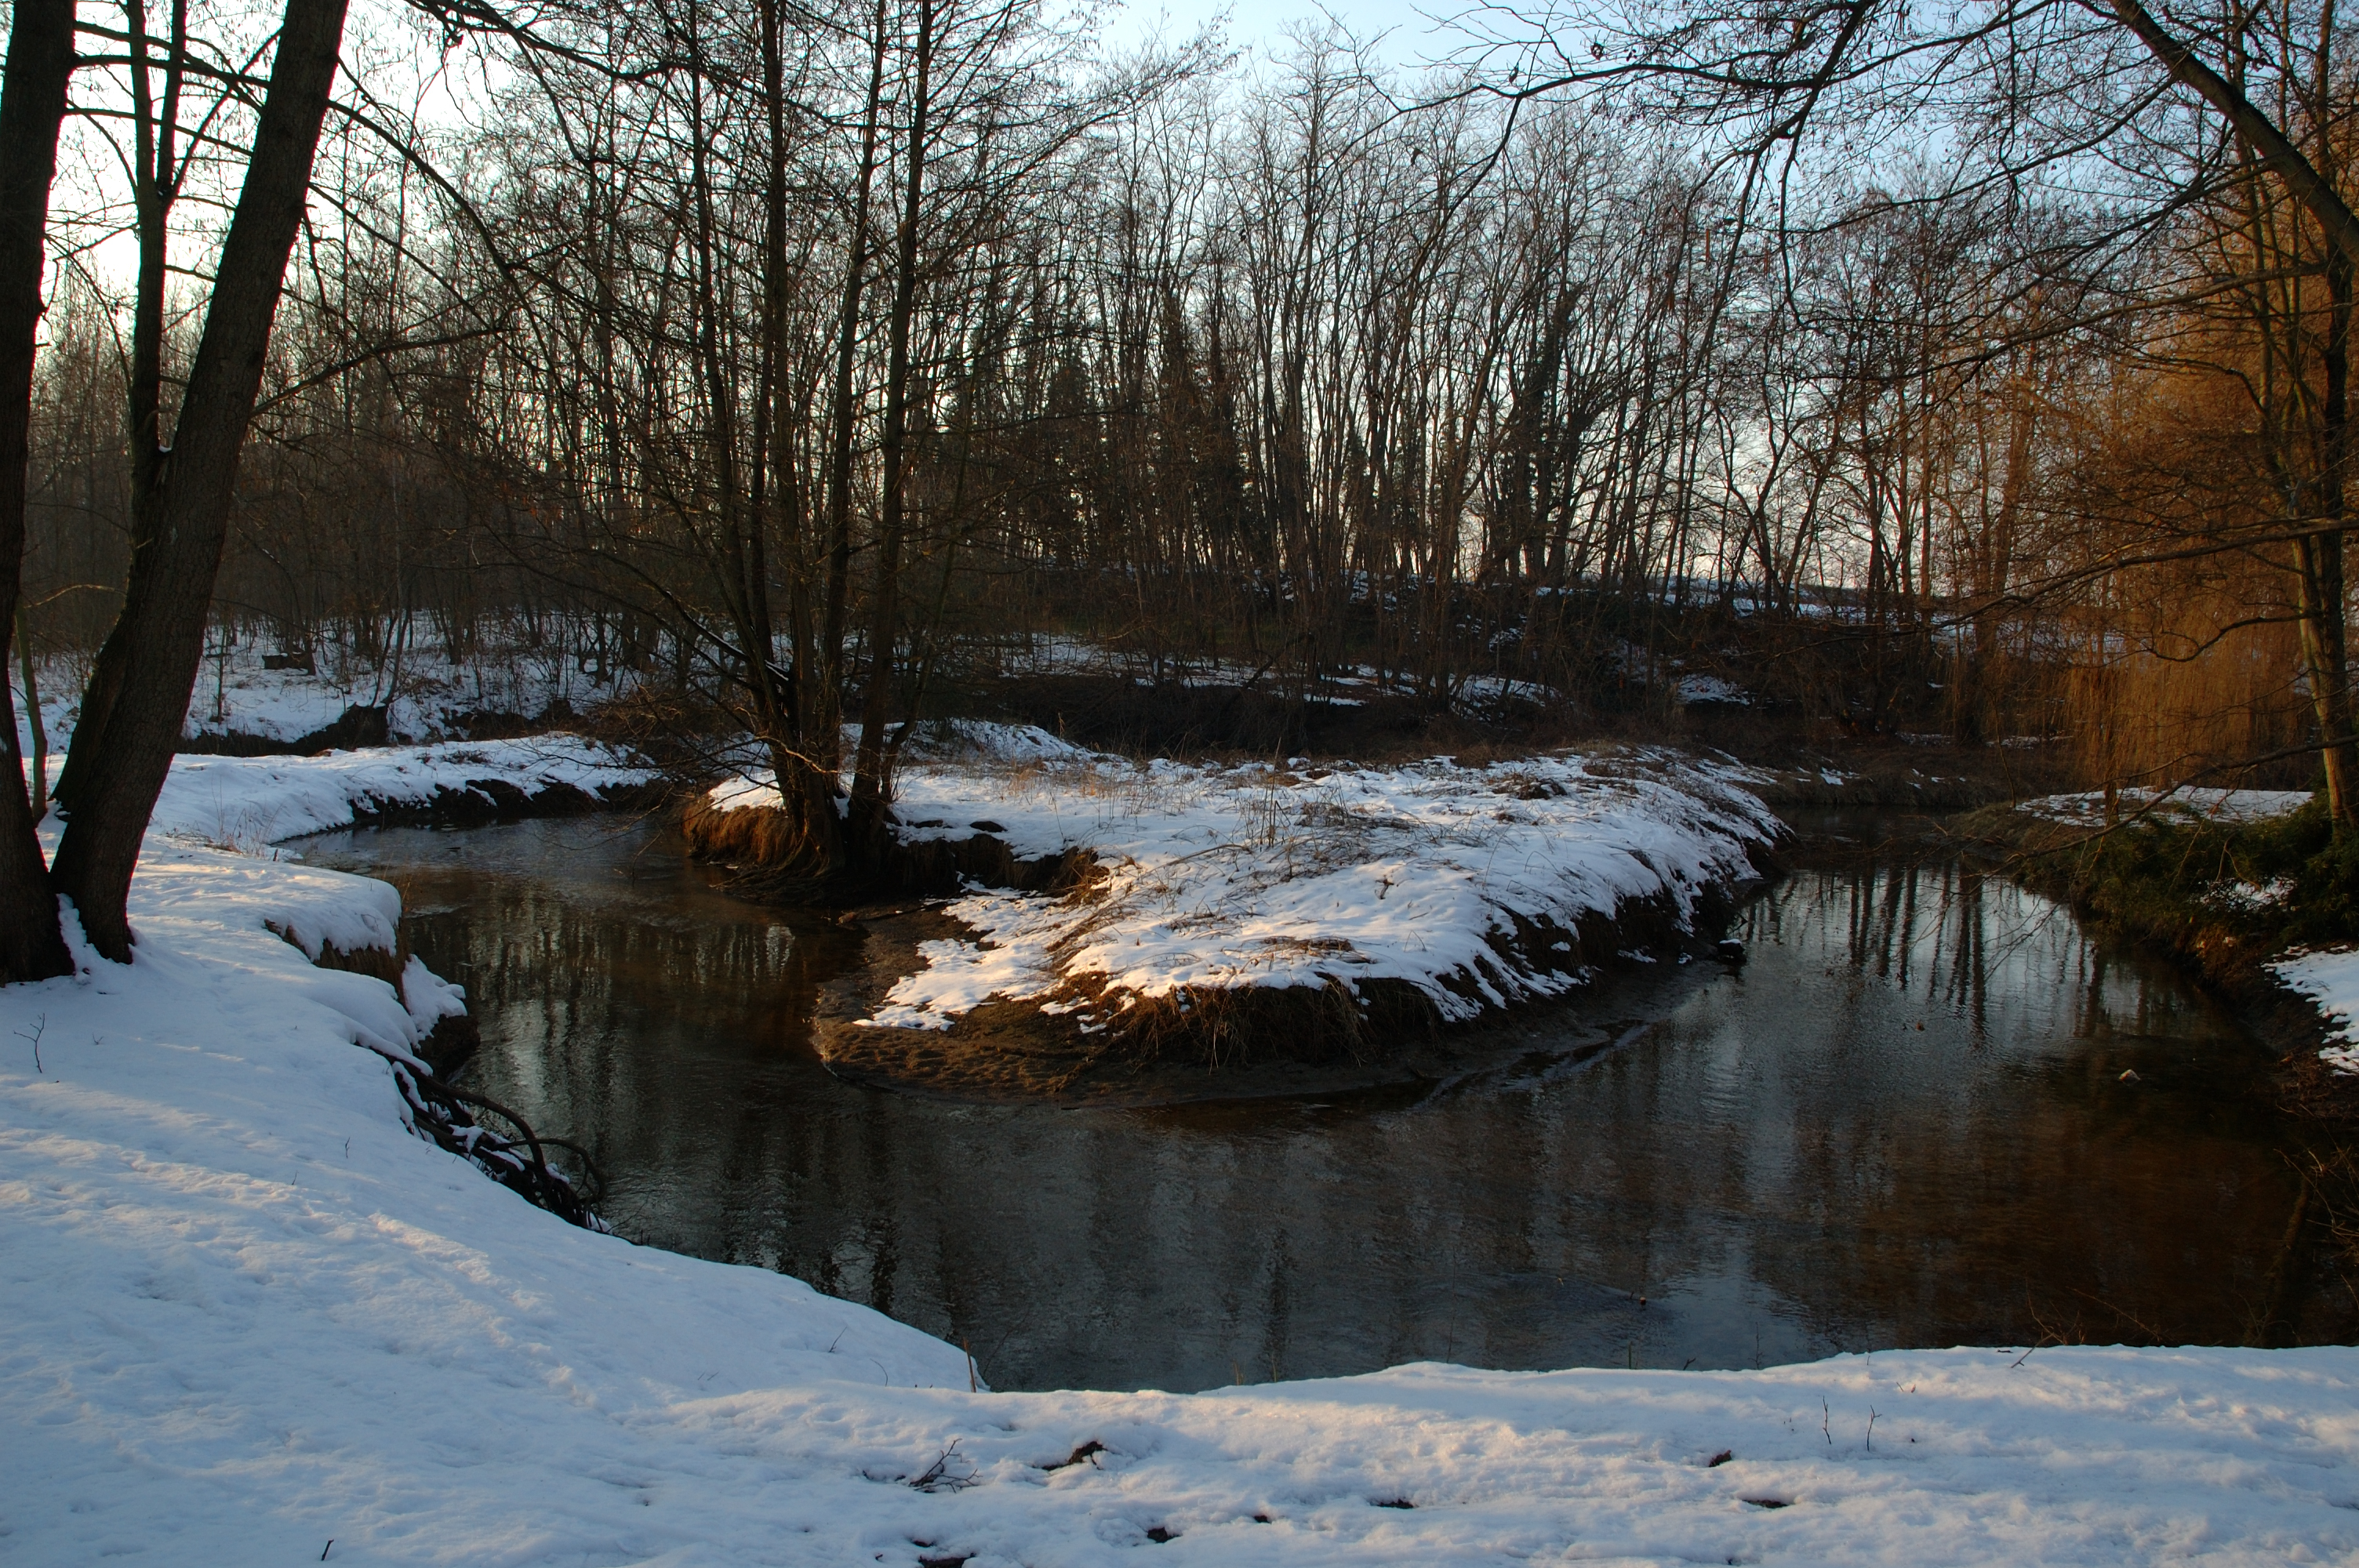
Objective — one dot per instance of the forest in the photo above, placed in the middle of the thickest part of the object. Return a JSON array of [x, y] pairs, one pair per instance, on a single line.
[[1972, 375]]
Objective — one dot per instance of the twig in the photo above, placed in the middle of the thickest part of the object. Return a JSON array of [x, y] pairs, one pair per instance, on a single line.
[[938, 1477], [40, 1027]]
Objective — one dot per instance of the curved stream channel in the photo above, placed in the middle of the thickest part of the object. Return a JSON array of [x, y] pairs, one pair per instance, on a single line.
[[1902, 1123]]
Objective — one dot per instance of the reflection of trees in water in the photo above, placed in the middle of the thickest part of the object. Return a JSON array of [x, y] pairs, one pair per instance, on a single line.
[[1955, 934], [1784, 1156], [1950, 1202]]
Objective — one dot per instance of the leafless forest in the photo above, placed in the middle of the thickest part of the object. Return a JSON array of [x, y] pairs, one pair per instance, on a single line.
[[1977, 371]]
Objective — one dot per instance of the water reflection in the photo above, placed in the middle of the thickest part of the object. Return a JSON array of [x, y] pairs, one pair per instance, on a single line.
[[1903, 1122]]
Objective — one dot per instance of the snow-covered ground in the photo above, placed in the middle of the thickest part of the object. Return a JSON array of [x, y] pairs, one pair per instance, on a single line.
[[1338, 687], [1218, 878], [425, 692], [246, 1313], [2185, 803], [2330, 979], [1047, 653], [246, 1318], [248, 803]]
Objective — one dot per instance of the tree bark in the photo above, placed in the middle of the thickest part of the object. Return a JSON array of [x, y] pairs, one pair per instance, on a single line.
[[827, 713], [32, 106], [2321, 563], [159, 639], [2337, 752], [2321, 559]]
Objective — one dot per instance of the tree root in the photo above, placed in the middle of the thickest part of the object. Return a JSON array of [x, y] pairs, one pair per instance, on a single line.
[[453, 1118]]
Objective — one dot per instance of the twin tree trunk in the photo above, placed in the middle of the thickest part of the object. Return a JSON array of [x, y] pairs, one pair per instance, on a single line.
[[138, 696]]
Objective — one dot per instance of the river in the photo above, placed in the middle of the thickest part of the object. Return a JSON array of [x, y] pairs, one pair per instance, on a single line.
[[1903, 1121]]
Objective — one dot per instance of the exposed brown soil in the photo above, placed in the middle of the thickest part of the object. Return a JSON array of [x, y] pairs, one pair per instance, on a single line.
[[1010, 1051], [753, 840]]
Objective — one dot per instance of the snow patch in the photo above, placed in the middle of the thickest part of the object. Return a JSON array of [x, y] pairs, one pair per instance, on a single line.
[[2186, 804], [2330, 979], [1694, 690], [248, 803]]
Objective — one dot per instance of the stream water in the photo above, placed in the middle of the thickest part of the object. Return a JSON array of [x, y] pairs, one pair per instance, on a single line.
[[1903, 1122]]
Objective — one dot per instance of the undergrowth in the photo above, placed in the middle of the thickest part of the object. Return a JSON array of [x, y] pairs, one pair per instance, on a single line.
[[2224, 896]]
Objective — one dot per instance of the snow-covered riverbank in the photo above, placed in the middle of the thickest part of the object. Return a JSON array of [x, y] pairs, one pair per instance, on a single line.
[[1474, 887], [244, 1313]]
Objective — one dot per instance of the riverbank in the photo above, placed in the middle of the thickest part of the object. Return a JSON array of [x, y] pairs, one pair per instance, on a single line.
[[1216, 917], [251, 1318], [2246, 888]]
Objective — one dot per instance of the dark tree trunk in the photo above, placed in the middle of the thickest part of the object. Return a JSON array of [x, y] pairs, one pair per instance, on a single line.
[[827, 712], [806, 771], [2321, 564], [32, 105], [158, 642], [871, 790]]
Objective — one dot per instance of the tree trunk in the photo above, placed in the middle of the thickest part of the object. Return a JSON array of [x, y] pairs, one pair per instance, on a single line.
[[827, 713], [872, 791], [158, 642], [154, 180], [2324, 639], [32, 106]]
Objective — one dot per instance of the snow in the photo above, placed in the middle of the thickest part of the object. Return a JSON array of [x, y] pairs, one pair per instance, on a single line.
[[1694, 690], [2330, 979], [1334, 686], [247, 1317], [249, 802], [2238, 896], [427, 691], [2208, 805], [1221, 877]]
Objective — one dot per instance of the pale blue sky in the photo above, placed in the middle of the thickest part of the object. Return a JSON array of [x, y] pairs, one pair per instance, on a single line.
[[1261, 25]]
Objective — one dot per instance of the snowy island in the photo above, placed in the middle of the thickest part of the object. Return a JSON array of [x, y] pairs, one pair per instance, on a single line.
[[1203, 918]]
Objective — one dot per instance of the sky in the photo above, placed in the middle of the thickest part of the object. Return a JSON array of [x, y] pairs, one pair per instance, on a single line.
[[1262, 25]]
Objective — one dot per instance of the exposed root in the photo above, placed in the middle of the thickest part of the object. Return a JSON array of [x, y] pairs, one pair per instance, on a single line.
[[455, 1119]]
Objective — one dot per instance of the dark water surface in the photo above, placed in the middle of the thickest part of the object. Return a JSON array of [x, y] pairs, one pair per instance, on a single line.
[[1902, 1123]]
